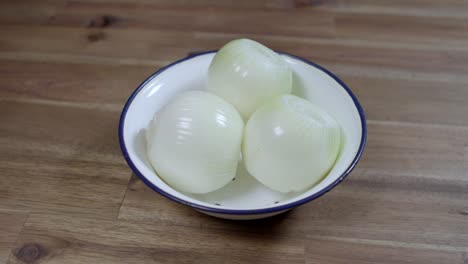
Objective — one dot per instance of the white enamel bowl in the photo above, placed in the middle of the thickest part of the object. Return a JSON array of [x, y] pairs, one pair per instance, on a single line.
[[244, 198]]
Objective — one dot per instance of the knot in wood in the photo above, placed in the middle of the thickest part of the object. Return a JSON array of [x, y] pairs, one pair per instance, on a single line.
[[30, 253]]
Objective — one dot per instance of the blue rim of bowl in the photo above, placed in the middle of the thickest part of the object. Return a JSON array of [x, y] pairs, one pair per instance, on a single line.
[[251, 211]]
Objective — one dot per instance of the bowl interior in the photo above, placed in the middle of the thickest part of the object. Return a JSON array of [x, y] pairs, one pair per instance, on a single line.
[[244, 193]]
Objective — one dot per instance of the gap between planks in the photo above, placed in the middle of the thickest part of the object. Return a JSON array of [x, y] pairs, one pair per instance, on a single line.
[[123, 196], [61, 103], [407, 12], [78, 59], [391, 243]]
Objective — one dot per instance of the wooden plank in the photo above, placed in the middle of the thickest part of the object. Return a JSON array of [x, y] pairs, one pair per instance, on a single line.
[[450, 8], [395, 28], [103, 84], [310, 22], [202, 18], [28, 12], [114, 44], [388, 216], [429, 8], [407, 59], [157, 208], [126, 13], [410, 100], [59, 239], [11, 224], [341, 252], [416, 8], [429, 151], [410, 174], [181, 4], [141, 204], [247, 17], [119, 44], [60, 159]]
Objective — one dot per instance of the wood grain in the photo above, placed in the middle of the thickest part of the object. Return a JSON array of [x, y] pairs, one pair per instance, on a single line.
[[77, 169], [11, 223], [58, 239], [94, 44], [67, 195], [74, 82], [216, 18], [409, 100], [341, 252], [403, 28]]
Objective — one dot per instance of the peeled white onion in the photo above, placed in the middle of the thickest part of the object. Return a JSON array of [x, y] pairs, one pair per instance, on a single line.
[[246, 74], [194, 142], [290, 144]]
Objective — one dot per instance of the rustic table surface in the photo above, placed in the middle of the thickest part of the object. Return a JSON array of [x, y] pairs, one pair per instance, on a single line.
[[67, 195]]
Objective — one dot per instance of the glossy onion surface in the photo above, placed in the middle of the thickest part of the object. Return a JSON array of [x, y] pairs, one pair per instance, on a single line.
[[246, 74], [290, 144], [194, 142]]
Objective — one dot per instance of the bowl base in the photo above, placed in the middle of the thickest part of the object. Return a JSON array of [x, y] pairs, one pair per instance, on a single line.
[[244, 190], [242, 217]]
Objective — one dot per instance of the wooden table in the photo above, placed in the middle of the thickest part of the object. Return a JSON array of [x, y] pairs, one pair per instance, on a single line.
[[67, 195]]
